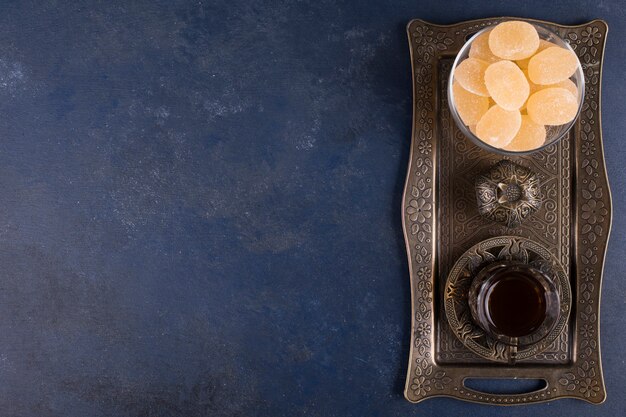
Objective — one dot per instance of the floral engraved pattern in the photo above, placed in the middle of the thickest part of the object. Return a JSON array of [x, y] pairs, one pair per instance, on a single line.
[[423, 35], [594, 211], [587, 331], [589, 387], [426, 378], [425, 147], [420, 385], [583, 380], [423, 273], [419, 210], [591, 36], [588, 275], [423, 329], [427, 42], [424, 92], [588, 148]]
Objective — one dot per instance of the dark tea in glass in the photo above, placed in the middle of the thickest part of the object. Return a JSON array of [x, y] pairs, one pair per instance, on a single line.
[[515, 303]]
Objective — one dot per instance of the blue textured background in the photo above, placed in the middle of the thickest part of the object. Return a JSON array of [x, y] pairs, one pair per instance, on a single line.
[[200, 207]]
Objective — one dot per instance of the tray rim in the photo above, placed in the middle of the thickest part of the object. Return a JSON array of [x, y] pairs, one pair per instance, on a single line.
[[526, 371]]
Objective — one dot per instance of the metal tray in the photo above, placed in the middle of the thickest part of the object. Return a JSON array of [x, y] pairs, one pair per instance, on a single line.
[[440, 221]]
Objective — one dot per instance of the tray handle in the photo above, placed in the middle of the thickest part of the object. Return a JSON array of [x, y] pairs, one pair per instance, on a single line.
[[535, 395]]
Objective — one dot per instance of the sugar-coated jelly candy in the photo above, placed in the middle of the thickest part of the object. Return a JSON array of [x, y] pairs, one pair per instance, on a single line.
[[507, 85], [470, 73], [480, 49], [552, 65], [470, 106], [543, 44], [530, 136], [498, 126], [552, 106], [514, 40]]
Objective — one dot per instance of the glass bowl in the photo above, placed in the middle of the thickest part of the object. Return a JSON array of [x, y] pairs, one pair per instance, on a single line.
[[553, 133]]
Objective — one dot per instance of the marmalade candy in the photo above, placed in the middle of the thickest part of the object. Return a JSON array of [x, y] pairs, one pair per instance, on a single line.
[[552, 65], [552, 106], [514, 40], [471, 107], [470, 73], [498, 126], [507, 85]]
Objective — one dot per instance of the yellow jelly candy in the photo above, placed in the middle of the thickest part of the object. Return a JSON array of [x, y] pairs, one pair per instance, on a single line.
[[514, 40], [480, 49], [498, 126], [507, 85], [530, 136], [552, 65], [552, 106], [470, 107], [470, 73], [523, 63]]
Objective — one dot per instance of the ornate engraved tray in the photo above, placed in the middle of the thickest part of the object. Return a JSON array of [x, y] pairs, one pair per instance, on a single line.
[[441, 221]]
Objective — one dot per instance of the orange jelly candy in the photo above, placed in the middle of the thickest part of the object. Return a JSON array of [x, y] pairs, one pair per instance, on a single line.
[[523, 63], [552, 106], [514, 40], [507, 85], [530, 136], [498, 126], [470, 73], [552, 65], [480, 49], [471, 107]]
